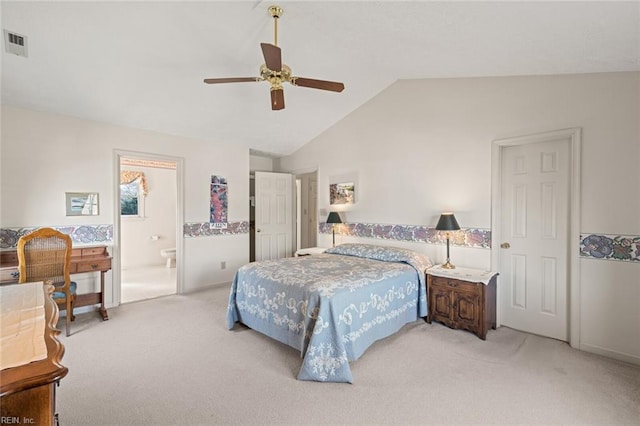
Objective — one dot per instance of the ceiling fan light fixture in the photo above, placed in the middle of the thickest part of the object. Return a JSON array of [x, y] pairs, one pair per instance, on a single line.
[[275, 72], [277, 99]]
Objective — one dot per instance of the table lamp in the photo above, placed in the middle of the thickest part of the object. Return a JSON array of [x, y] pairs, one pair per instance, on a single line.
[[334, 217], [447, 223]]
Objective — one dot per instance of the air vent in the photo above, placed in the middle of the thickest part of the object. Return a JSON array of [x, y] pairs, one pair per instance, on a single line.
[[15, 43]]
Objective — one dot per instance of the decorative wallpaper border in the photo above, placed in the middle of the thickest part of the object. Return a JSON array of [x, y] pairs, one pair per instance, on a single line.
[[624, 248], [103, 234], [81, 234], [610, 247], [467, 237], [596, 246], [203, 229]]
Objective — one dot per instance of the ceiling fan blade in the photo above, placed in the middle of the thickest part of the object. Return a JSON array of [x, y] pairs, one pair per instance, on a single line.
[[333, 86], [231, 80], [272, 56], [277, 99]]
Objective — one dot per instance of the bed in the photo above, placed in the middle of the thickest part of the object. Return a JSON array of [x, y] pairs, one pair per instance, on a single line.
[[331, 306]]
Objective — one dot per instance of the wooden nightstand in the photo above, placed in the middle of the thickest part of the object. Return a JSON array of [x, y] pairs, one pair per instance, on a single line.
[[309, 251], [462, 298]]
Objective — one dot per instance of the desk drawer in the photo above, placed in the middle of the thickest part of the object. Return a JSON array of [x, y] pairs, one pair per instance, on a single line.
[[8, 258], [93, 251], [9, 274], [94, 265]]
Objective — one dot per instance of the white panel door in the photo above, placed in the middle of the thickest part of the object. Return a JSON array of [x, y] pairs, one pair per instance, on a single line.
[[274, 215], [534, 252]]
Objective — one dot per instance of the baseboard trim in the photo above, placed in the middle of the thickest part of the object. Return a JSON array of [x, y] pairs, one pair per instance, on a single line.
[[208, 287], [621, 356], [84, 309]]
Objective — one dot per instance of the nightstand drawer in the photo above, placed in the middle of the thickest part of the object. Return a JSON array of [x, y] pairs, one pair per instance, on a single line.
[[453, 283]]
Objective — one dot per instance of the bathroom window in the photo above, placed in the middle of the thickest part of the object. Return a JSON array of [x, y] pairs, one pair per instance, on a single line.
[[132, 194]]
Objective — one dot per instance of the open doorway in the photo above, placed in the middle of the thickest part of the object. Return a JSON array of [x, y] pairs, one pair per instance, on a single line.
[[147, 224], [307, 211]]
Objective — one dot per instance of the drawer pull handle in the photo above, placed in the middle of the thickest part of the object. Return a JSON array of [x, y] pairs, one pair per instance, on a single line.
[[94, 266], [453, 284]]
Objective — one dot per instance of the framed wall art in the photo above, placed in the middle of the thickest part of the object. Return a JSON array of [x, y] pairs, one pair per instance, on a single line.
[[218, 204], [342, 193], [81, 203]]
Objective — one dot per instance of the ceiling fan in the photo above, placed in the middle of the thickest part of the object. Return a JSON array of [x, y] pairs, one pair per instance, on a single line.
[[276, 73]]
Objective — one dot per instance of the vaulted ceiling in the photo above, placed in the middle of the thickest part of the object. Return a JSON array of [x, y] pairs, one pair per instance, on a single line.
[[142, 64]]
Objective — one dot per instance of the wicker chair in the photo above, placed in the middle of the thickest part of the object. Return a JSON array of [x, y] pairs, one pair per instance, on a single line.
[[45, 255]]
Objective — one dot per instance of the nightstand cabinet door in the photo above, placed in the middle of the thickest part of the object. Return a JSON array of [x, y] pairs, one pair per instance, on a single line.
[[442, 302], [467, 310]]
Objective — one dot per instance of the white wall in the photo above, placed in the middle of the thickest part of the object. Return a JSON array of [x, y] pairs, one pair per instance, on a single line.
[[259, 163], [44, 155], [138, 248], [424, 146]]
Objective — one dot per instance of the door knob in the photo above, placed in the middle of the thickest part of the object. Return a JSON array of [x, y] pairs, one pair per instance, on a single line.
[[505, 245], [257, 230]]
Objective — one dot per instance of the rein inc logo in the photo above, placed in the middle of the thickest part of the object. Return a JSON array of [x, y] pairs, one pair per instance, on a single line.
[[17, 420]]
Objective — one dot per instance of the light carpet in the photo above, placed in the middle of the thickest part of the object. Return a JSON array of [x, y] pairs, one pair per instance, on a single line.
[[172, 360], [147, 282]]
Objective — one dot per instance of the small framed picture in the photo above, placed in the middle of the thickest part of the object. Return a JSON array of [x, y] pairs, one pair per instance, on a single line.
[[81, 203], [342, 193]]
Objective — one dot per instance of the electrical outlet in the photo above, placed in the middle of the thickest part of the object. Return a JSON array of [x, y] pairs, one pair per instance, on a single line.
[[223, 265]]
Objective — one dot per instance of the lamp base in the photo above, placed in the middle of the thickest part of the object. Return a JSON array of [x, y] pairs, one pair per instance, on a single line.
[[448, 265]]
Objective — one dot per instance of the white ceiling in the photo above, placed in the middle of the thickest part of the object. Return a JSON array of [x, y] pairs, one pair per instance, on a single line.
[[142, 64]]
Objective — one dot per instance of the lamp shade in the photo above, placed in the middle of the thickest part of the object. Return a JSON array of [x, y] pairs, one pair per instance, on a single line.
[[334, 217], [447, 222]]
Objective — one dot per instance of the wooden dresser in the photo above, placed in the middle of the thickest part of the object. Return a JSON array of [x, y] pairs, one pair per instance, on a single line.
[[83, 259], [28, 392]]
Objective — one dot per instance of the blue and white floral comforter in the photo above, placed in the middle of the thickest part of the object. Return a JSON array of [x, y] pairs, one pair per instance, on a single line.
[[331, 306]]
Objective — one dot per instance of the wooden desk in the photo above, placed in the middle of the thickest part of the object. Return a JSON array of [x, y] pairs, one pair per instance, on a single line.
[[83, 259], [28, 392]]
